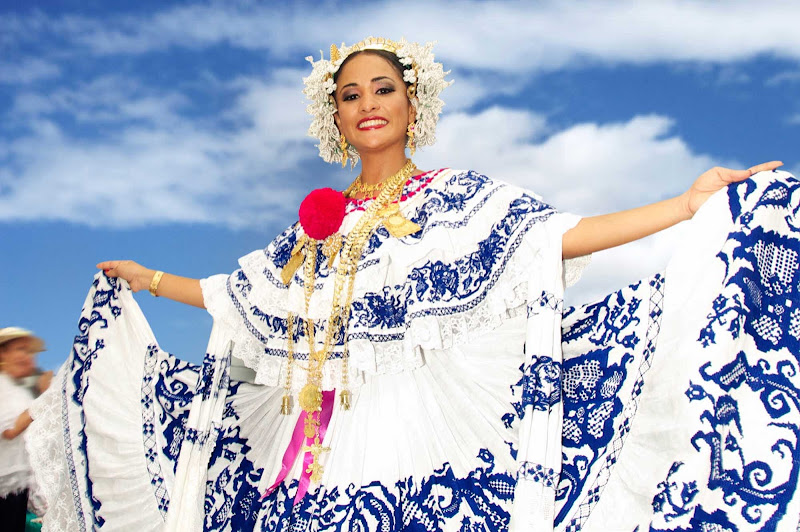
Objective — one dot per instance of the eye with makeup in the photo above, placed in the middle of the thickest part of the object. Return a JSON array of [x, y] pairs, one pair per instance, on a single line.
[[350, 96]]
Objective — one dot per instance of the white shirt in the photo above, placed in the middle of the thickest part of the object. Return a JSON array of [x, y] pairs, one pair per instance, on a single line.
[[15, 470]]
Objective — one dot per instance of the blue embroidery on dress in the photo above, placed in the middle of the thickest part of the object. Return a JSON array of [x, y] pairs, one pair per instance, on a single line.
[[539, 387], [233, 502], [280, 249], [478, 501], [174, 396], [205, 384], [592, 407], [545, 300], [609, 321], [596, 423], [761, 295], [465, 281], [239, 281], [82, 356], [777, 194], [70, 458], [675, 500], [385, 309], [758, 306], [538, 473], [591, 386], [441, 201], [471, 277], [149, 437], [232, 499], [750, 483]]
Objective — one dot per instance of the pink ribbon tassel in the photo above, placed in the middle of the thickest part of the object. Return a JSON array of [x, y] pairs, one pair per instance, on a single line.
[[296, 445]]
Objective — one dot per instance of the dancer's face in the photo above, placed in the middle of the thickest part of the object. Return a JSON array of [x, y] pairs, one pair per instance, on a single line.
[[373, 108], [18, 357]]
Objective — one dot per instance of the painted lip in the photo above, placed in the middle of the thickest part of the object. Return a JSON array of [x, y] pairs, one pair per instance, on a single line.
[[369, 119]]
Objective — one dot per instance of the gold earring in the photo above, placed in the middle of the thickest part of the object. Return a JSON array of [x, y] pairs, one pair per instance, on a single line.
[[410, 144], [343, 147]]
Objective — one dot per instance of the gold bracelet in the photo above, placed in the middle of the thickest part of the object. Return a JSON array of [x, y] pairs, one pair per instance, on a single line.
[[154, 283]]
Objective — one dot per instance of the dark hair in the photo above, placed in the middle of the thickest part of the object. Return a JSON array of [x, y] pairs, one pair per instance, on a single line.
[[388, 56]]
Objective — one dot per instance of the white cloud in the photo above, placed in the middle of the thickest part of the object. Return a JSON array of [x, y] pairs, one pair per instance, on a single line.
[[793, 119], [787, 76], [176, 170], [506, 36], [586, 168], [161, 162], [732, 76], [107, 99], [472, 88], [28, 70], [155, 165]]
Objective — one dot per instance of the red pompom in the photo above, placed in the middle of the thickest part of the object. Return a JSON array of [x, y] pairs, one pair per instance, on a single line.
[[322, 212]]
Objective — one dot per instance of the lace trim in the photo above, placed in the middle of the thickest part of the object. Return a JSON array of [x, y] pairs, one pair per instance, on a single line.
[[573, 269], [506, 299], [45, 446]]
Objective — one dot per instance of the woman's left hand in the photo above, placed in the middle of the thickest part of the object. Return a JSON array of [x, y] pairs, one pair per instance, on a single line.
[[716, 178]]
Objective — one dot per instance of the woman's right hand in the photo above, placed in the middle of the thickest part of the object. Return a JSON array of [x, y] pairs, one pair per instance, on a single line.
[[137, 275], [174, 287]]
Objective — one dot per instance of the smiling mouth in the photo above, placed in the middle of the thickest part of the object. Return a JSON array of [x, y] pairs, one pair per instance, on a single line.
[[373, 123]]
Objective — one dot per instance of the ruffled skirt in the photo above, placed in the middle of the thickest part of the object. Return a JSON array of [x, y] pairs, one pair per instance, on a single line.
[[678, 404]]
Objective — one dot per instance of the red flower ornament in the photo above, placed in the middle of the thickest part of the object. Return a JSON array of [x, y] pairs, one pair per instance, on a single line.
[[322, 212]]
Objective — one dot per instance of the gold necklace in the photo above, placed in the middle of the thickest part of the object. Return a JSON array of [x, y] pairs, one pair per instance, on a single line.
[[359, 187], [310, 396]]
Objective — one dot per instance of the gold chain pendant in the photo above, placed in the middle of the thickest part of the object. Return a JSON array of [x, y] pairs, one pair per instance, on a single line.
[[397, 224], [315, 467], [310, 398], [380, 211], [295, 261]]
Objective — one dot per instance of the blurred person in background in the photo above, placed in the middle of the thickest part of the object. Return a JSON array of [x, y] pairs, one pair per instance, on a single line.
[[20, 382]]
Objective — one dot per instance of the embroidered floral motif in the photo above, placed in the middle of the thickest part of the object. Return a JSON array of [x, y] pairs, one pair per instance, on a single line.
[[539, 387], [746, 485], [538, 473], [104, 307], [601, 395], [480, 500]]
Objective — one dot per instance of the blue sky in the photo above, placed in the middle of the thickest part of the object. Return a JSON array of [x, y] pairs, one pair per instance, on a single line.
[[174, 133]]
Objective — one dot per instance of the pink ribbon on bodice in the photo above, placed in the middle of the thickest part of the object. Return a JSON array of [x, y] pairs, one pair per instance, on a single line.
[[298, 441]]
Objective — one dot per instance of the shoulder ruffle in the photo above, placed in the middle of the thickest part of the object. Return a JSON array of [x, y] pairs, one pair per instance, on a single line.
[[477, 260]]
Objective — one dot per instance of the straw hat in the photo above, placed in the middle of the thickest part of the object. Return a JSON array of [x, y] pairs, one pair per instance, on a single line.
[[12, 333]]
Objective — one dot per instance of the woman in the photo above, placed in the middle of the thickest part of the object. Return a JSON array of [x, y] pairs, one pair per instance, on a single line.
[[404, 341], [18, 348]]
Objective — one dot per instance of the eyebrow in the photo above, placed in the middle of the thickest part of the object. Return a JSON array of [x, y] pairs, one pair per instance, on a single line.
[[373, 80]]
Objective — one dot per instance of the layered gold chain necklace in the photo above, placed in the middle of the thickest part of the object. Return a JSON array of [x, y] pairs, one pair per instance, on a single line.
[[359, 187], [382, 209]]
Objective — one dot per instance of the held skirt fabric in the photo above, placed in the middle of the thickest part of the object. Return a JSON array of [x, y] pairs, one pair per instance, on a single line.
[[479, 403]]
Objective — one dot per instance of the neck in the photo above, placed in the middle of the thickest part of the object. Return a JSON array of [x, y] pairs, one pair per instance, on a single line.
[[376, 168]]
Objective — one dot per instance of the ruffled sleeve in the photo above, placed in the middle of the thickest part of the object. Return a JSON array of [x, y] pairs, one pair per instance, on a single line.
[[250, 306], [8, 411]]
